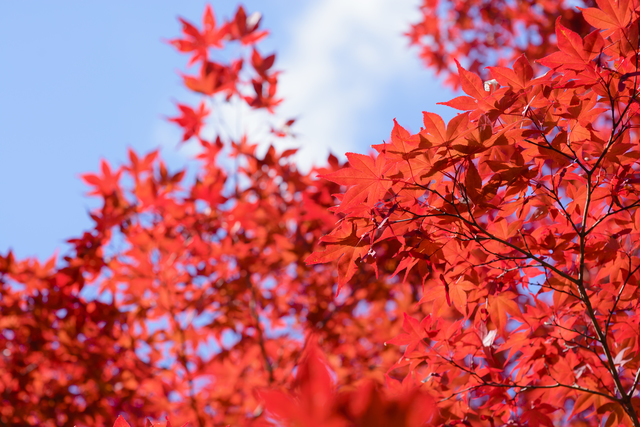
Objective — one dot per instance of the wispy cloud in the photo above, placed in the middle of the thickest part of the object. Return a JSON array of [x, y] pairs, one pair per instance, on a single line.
[[342, 56]]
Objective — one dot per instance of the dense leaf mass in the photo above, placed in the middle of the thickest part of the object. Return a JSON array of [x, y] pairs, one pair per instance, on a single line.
[[186, 297], [521, 217], [483, 271], [490, 32]]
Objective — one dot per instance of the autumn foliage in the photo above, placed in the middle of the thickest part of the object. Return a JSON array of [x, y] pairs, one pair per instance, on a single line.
[[491, 32], [481, 272]]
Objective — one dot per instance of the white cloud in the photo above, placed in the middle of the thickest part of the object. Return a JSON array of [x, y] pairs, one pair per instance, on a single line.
[[342, 55], [336, 70]]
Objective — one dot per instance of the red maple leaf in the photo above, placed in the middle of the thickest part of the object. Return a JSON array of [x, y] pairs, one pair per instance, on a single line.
[[200, 42], [344, 246], [106, 184], [365, 178], [215, 77], [245, 28], [262, 64], [191, 120]]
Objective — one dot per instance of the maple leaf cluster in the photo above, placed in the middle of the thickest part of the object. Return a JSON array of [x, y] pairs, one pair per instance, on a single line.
[[481, 272], [489, 32], [314, 400], [189, 295], [521, 218], [218, 77]]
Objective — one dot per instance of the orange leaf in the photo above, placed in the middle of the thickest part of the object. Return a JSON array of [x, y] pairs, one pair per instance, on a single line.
[[465, 103], [365, 176], [501, 305], [435, 126], [610, 14], [471, 83], [120, 422], [570, 42], [343, 245]]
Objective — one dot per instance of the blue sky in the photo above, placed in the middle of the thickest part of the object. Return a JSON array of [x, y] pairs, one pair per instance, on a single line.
[[81, 81]]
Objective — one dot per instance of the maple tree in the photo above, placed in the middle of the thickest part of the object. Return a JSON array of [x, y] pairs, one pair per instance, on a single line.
[[520, 217], [480, 272], [185, 298]]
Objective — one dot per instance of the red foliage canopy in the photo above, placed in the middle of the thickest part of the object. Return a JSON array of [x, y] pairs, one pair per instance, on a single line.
[[487, 269], [521, 219], [490, 32]]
